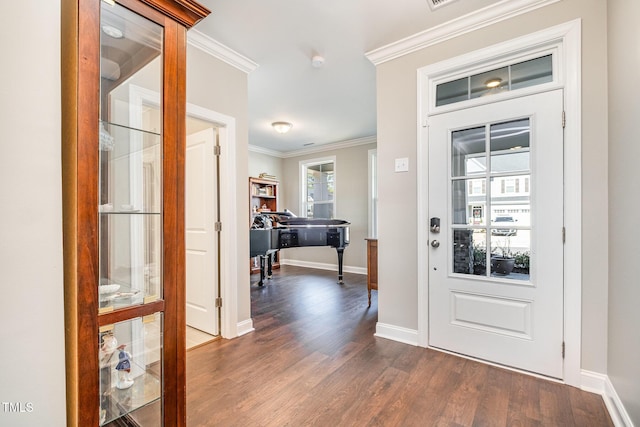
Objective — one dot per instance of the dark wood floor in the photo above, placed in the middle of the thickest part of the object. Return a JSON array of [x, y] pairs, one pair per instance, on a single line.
[[313, 360]]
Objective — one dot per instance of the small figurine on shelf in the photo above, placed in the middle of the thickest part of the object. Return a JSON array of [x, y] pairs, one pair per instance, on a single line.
[[124, 369], [109, 345]]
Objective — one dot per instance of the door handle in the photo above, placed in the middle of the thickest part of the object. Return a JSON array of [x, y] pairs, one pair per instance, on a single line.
[[435, 243]]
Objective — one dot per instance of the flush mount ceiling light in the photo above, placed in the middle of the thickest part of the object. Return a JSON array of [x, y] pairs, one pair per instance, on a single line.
[[282, 127], [494, 82]]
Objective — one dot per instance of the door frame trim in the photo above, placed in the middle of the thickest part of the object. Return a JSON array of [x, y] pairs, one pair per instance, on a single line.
[[229, 234], [228, 189], [567, 38]]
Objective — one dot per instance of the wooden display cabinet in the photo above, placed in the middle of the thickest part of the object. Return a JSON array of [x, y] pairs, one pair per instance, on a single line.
[[263, 197], [124, 109]]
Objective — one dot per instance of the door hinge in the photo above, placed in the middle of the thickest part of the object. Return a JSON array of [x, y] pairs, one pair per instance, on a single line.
[[563, 348], [425, 123], [217, 226], [564, 119], [218, 302], [216, 150], [564, 235]]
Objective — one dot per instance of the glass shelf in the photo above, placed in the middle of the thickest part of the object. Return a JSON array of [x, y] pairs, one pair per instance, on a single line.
[[125, 139], [130, 360]]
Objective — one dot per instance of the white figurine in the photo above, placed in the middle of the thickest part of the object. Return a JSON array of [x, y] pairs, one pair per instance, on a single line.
[[124, 369]]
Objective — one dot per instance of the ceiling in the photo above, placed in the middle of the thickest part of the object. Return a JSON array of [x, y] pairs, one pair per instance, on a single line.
[[336, 102]]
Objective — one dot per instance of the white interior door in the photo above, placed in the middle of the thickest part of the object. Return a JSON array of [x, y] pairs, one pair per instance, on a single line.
[[496, 262], [201, 244]]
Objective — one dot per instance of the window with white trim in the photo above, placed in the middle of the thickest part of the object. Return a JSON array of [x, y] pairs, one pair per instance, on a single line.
[[373, 193], [318, 188]]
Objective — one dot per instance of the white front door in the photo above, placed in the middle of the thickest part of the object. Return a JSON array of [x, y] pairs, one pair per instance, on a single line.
[[496, 260], [201, 238]]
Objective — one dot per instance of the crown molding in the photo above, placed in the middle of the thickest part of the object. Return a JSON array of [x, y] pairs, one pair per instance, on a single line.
[[267, 151], [316, 149], [500, 11], [216, 49]]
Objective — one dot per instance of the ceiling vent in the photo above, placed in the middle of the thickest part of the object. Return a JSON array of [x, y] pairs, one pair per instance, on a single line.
[[435, 4]]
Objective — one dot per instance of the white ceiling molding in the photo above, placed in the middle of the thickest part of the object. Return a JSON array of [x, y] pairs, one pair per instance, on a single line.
[[484, 17], [267, 151], [315, 149], [208, 45]]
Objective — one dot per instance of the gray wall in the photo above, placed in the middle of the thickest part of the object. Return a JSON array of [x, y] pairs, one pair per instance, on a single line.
[[31, 306], [351, 203], [217, 86], [397, 89], [624, 203], [260, 162]]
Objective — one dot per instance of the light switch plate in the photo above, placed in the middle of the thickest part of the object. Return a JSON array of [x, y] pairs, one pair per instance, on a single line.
[[402, 165]]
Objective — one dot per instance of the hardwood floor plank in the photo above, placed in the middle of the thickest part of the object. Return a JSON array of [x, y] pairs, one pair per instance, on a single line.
[[313, 360], [494, 403], [588, 409], [463, 402]]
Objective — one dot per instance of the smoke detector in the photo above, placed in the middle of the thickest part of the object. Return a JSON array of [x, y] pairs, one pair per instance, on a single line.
[[435, 4], [317, 61]]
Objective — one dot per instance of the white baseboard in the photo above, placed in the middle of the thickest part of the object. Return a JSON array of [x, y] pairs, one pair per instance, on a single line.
[[595, 382], [245, 327], [323, 266], [397, 333]]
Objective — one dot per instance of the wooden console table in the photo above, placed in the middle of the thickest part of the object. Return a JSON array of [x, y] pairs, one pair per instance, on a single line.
[[372, 266]]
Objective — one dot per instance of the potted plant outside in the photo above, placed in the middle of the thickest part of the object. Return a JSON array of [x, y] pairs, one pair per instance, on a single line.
[[503, 262]]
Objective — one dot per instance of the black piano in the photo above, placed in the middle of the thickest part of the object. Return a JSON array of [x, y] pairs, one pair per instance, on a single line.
[[271, 232]]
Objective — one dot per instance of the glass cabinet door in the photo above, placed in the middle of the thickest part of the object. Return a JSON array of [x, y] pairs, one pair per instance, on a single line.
[[130, 361], [130, 158], [130, 211]]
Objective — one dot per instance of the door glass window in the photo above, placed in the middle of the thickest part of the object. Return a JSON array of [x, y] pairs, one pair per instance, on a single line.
[[490, 200]]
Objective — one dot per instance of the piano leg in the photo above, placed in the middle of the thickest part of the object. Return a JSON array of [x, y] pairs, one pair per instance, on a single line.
[[270, 265], [261, 282], [340, 254]]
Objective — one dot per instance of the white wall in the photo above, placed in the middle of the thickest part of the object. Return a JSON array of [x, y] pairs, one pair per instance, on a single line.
[[624, 203], [397, 136], [31, 304]]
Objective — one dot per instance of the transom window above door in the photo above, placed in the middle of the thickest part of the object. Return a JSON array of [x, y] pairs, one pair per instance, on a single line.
[[506, 78]]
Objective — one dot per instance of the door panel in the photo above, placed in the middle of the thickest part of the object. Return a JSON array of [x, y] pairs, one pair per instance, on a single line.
[[496, 264], [201, 247]]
